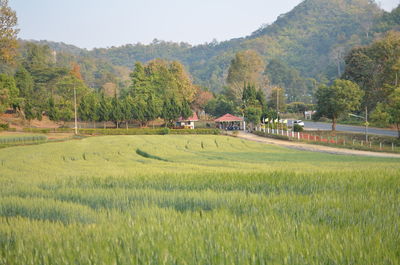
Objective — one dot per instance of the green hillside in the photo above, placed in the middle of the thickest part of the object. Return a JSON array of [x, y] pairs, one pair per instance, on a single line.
[[305, 38], [310, 41]]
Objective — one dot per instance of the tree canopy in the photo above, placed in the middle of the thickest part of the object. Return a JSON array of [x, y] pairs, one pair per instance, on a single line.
[[8, 33], [340, 98]]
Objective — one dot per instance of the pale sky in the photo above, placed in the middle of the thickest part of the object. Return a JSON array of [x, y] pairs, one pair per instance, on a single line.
[[106, 23]]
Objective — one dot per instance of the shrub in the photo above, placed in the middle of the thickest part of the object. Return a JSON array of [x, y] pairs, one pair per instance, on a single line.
[[4, 126], [164, 131], [196, 131], [380, 117], [37, 130], [298, 128]]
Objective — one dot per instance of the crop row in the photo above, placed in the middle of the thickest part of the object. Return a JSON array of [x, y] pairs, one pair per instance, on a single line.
[[342, 220], [7, 140]]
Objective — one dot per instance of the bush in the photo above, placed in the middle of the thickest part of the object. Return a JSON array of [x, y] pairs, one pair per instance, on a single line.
[[196, 131], [164, 131], [298, 128], [64, 130], [4, 126], [380, 117], [37, 130]]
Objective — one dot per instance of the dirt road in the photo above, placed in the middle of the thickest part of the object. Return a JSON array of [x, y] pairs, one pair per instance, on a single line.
[[313, 148]]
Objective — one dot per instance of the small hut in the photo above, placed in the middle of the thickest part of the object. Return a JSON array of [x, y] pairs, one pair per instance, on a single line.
[[187, 123], [230, 122]]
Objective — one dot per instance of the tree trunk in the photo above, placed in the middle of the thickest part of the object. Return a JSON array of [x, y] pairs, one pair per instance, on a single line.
[[117, 125], [104, 123], [126, 123], [334, 124], [398, 129]]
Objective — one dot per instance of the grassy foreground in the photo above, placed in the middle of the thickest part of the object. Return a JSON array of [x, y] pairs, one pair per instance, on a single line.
[[195, 200]]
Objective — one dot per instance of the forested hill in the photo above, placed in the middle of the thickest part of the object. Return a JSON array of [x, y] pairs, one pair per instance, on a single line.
[[311, 40]]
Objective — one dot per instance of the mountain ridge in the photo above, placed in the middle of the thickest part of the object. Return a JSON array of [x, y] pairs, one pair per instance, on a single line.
[[304, 38]]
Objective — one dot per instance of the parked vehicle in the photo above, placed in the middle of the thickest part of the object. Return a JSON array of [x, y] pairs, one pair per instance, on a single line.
[[298, 122]]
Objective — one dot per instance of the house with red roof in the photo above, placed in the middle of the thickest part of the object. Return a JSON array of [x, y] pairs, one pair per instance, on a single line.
[[189, 122], [230, 122]]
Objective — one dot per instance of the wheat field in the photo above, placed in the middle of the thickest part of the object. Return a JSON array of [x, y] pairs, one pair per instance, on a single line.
[[177, 199]]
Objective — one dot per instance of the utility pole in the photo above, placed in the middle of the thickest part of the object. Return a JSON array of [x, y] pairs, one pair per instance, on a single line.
[[366, 124], [76, 117], [277, 101]]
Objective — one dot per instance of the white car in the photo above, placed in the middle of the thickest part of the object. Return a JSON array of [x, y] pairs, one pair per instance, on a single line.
[[298, 122]]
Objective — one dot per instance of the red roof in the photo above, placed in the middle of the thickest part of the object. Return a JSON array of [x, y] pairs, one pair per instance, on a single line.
[[228, 117], [192, 118]]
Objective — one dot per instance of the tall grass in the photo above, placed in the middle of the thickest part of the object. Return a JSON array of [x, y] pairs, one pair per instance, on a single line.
[[218, 200], [22, 139]]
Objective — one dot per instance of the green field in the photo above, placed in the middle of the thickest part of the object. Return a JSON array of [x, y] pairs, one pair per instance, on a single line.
[[195, 200]]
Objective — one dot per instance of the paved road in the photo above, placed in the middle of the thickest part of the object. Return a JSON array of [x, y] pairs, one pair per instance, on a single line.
[[309, 125], [313, 148]]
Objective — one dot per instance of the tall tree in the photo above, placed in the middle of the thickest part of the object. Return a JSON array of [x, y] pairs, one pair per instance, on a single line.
[[277, 99], [375, 68], [29, 112], [282, 75], [246, 67], [8, 33], [52, 111], [76, 71], [36, 57], [66, 85], [88, 108], [24, 82], [8, 92], [220, 106], [171, 111], [152, 108], [186, 111], [254, 104], [337, 56], [340, 98], [201, 99], [116, 111], [127, 109], [104, 109], [394, 109]]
